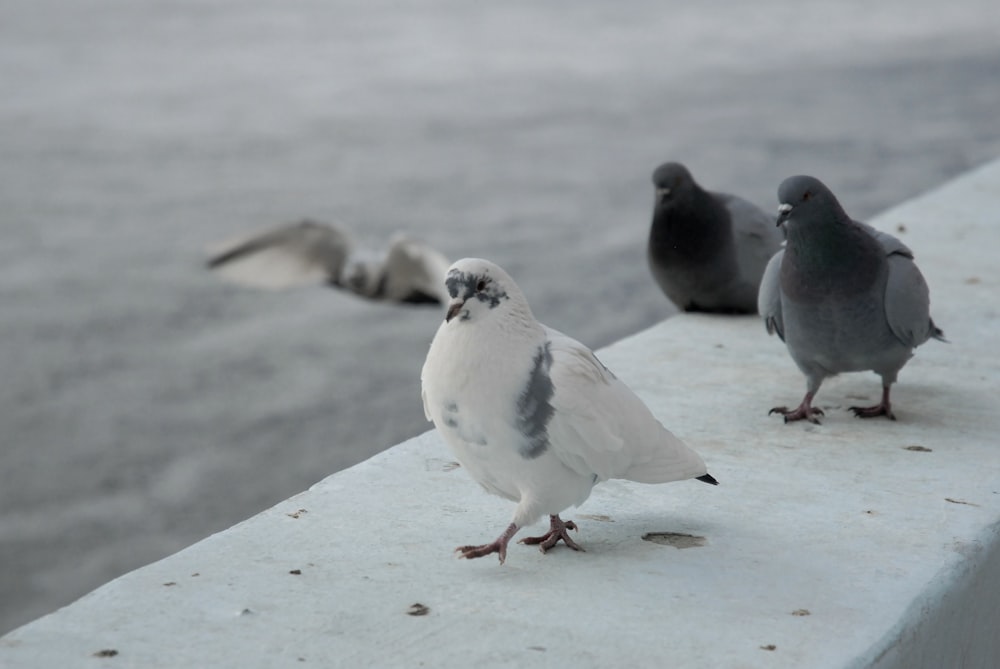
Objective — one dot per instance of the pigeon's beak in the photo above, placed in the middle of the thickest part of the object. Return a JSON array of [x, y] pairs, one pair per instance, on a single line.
[[662, 193], [454, 309], [784, 210]]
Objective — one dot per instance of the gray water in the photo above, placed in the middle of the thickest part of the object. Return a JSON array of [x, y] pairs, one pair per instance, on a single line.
[[145, 404]]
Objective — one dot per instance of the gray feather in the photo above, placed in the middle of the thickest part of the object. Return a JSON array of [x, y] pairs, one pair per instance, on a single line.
[[907, 302], [769, 297], [534, 408]]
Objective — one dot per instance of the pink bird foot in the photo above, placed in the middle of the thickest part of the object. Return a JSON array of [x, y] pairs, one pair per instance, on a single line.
[[799, 413], [804, 411], [883, 408], [557, 530], [498, 546]]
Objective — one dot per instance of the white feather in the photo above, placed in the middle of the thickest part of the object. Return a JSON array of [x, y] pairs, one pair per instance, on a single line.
[[600, 423], [283, 257]]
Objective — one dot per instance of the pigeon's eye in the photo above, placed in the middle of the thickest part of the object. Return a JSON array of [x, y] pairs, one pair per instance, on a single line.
[[805, 196], [481, 286]]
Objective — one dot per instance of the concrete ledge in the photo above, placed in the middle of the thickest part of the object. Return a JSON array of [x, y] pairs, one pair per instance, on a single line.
[[851, 544]]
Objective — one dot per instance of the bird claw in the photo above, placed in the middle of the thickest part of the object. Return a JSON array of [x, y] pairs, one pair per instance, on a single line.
[[808, 413], [470, 552], [557, 531], [871, 412], [499, 546]]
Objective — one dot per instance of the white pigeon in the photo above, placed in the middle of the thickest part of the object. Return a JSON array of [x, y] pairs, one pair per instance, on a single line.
[[532, 414], [308, 252]]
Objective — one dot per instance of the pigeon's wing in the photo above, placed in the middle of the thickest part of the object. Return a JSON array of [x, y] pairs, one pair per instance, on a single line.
[[288, 255], [907, 299], [892, 245], [756, 235], [599, 427], [412, 272], [423, 398], [907, 302], [769, 297]]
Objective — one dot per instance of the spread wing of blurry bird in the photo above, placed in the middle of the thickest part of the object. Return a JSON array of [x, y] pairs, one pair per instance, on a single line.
[[309, 252]]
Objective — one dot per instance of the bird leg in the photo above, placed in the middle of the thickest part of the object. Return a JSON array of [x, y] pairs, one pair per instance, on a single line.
[[805, 410], [498, 546], [557, 530], [883, 408]]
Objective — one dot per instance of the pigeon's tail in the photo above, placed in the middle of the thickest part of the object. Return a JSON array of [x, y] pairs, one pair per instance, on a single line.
[[938, 333], [708, 478]]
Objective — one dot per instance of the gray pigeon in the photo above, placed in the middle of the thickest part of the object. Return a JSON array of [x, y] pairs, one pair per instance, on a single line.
[[707, 251], [843, 296], [532, 414], [408, 271]]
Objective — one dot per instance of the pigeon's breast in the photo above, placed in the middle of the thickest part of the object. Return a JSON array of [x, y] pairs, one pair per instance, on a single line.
[[464, 428], [482, 443], [493, 410], [840, 335]]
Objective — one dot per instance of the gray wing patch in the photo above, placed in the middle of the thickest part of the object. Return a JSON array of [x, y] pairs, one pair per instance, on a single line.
[[907, 299], [907, 302], [769, 297], [534, 406]]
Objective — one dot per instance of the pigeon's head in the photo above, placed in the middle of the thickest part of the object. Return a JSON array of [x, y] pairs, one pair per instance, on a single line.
[[806, 198], [672, 181], [479, 289]]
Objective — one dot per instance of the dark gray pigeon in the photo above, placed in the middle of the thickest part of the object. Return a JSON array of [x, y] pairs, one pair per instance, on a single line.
[[707, 251], [843, 296]]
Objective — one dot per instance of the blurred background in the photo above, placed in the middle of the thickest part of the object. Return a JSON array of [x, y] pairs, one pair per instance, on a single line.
[[145, 404]]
